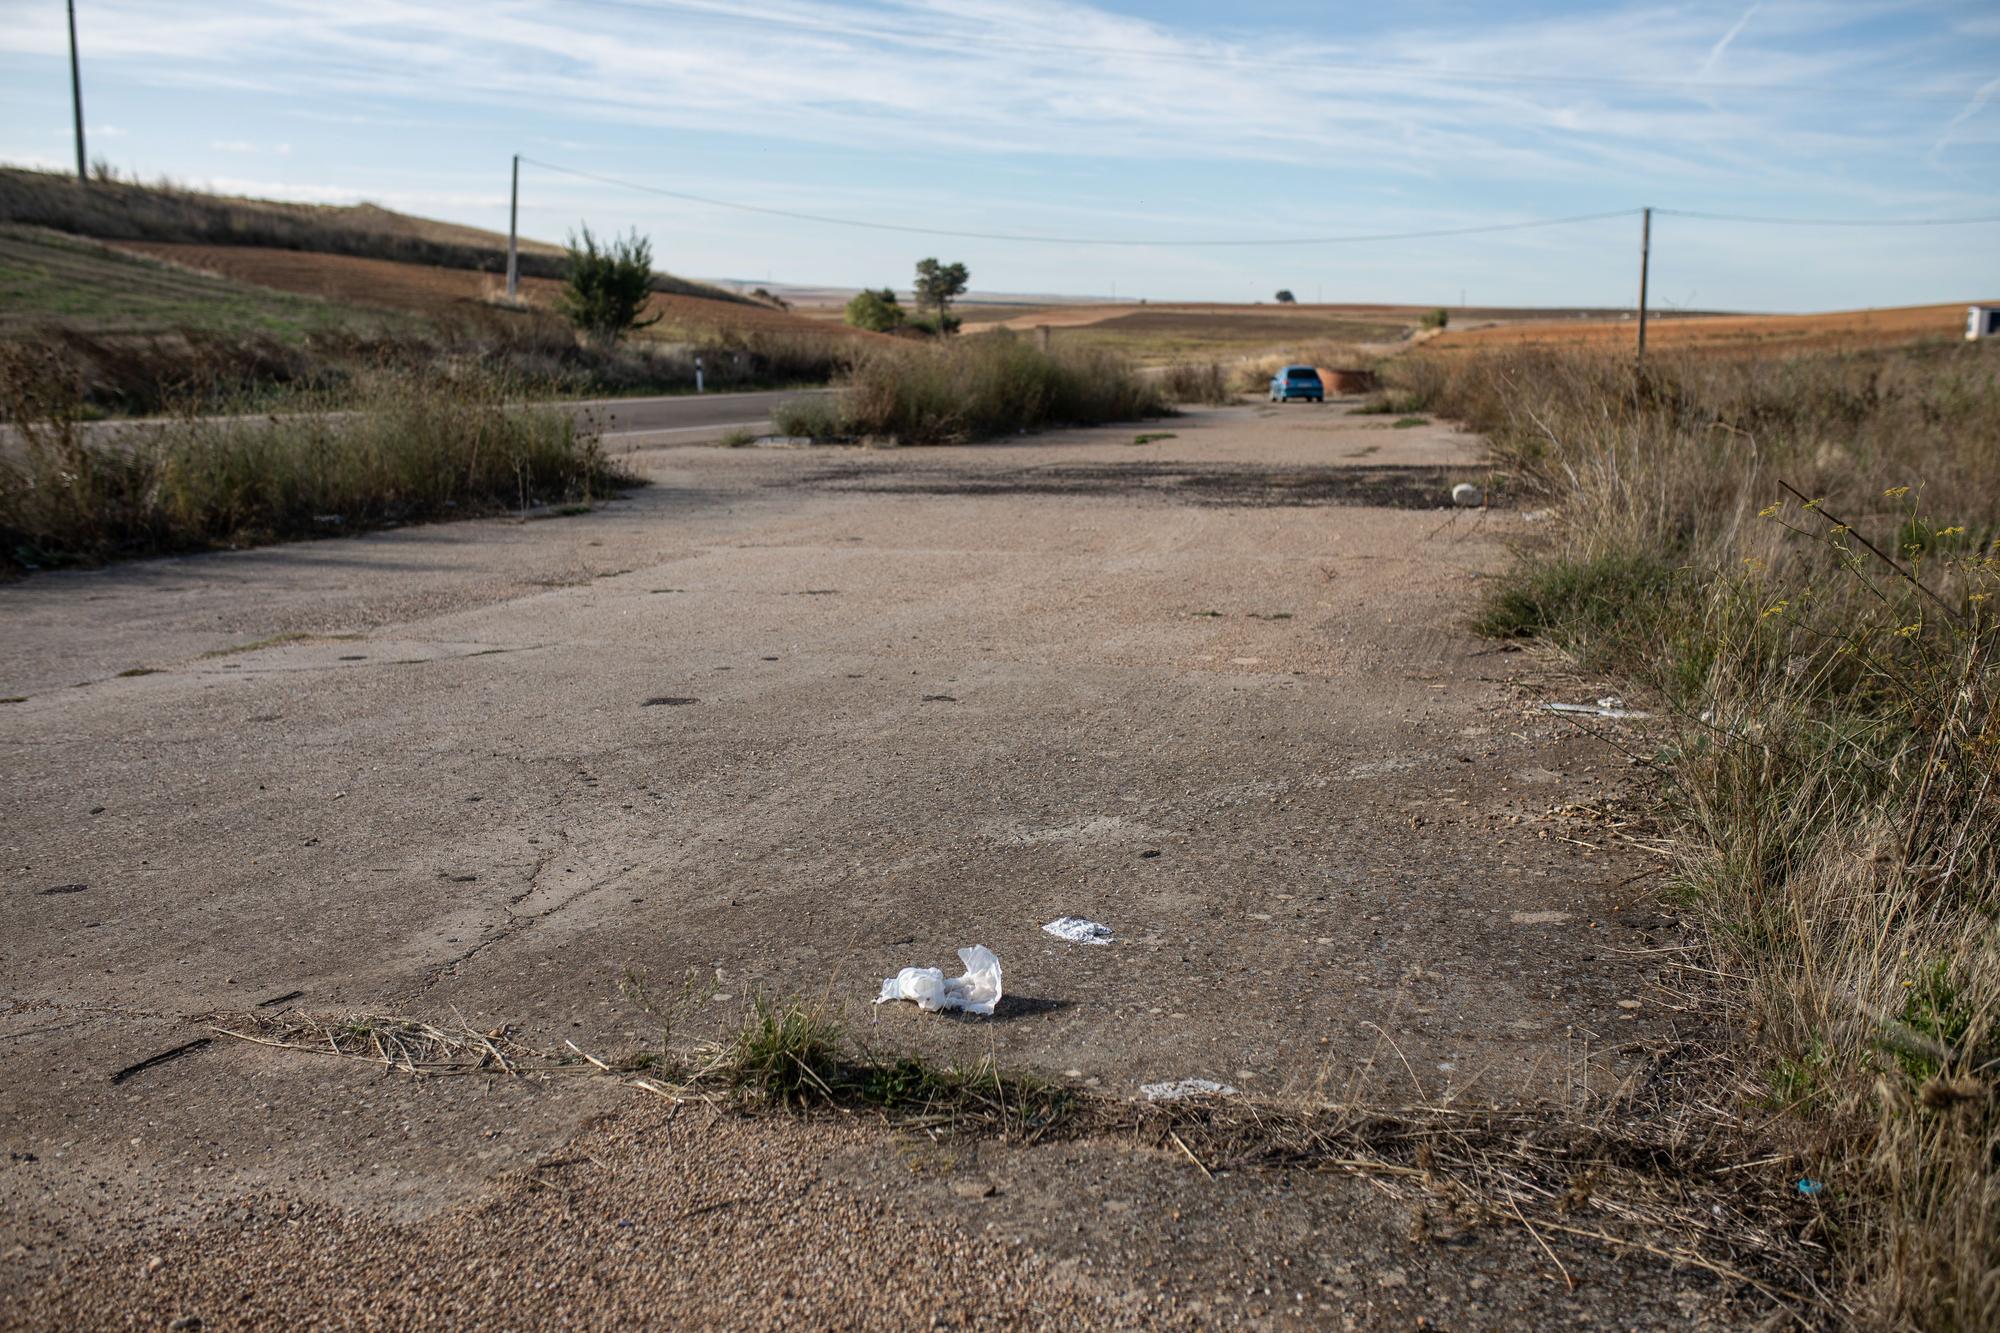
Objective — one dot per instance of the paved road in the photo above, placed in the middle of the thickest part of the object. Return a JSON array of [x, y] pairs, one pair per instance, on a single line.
[[786, 721], [685, 418]]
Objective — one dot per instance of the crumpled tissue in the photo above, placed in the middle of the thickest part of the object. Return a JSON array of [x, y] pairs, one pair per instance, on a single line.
[[1183, 1088], [977, 992], [1079, 930]]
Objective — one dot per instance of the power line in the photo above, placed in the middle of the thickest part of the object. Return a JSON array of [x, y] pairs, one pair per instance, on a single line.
[[1125, 242], [1827, 222]]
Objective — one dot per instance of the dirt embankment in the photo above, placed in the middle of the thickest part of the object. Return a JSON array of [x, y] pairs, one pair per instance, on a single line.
[[429, 289]]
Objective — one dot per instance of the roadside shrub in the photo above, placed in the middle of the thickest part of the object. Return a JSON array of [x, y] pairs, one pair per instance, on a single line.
[[427, 445], [995, 384], [1800, 557], [1197, 382], [1437, 319], [607, 286], [878, 312]]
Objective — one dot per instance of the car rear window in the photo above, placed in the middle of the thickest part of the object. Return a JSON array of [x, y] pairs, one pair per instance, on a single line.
[[1303, 373]]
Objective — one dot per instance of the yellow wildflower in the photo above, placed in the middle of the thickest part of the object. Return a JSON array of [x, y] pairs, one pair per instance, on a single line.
[[1896, 492], [1775, 609], [1770, 509]]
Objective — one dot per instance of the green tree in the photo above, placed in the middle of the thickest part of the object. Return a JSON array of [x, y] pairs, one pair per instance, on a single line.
[[875, 310], [937, 286], [608, 286], [1285, 296], [1437, 319]]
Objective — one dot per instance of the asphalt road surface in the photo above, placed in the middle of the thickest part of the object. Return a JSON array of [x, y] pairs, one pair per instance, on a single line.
[[783, 722], [685, 417]]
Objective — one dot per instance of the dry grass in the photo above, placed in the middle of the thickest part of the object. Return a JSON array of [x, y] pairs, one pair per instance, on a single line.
[[1798, 558], [415, 447], [973, 388], [1198, 382], [233, 370]]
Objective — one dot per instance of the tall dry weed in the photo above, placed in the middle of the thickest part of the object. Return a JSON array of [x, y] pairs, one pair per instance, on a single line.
[[1801, 557], [974, 388], [426, 445]]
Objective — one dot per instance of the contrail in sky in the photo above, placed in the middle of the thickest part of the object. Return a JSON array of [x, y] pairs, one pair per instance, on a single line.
[[1715, 52], [1972, 108]]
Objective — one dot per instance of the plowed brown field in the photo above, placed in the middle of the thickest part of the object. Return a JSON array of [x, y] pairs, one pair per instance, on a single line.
[[383, 283], [1723, 333]]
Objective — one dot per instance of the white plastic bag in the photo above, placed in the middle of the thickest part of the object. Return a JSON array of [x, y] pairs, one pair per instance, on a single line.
[[977, 992]]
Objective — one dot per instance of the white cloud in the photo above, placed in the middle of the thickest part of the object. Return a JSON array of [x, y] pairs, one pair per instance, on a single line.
[[1553, 97]]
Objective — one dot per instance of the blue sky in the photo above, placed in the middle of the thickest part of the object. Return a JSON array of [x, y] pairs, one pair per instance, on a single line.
[[1173, 121]]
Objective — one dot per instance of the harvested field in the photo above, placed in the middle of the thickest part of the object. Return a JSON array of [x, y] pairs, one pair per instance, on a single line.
[[427, 288], [1195, 329], [48, 277], [1758, 333]]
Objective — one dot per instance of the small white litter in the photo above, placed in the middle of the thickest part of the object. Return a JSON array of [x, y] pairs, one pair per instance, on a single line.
[[1183, 1088], [1609, 706], [1467, 496], [1078, 930], [977, 992]]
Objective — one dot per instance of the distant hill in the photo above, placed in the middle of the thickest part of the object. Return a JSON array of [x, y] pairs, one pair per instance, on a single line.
[[128, 211]]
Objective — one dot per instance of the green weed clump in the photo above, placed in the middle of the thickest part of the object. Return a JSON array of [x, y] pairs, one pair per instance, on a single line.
[[787, 1052], [792, 1052], [1800, 558], [421, 446], [976, 388]]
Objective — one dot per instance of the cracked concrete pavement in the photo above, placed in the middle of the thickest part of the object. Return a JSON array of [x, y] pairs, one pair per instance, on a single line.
[[786, 721]]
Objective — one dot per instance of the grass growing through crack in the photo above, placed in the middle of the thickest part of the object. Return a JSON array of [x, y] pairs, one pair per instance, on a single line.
[[793, 1052], [1632, 1168], [1798, 557]]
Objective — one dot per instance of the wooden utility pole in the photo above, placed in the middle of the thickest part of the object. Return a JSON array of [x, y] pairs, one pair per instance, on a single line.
[[1645, 261], [76, 97], [513, 233]]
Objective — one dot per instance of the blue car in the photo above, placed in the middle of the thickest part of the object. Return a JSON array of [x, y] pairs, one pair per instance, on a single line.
[[1297, 382]]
